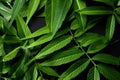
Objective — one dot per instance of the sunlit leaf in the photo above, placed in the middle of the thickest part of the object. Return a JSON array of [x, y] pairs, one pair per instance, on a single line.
[[56, 11], [96, 10], [64, 57], [11, 55], [33, 5]]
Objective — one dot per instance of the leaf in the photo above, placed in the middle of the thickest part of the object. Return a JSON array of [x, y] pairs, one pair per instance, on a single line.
[[97, 46], [37, 33], [35, 74], [11, 55], [63, 57], [74, 25], [82, 19], [96, 74], [56, 11], [96, 10], [42, 3], [47, 70], [54, 46], [108, 72], [16, 8], [5, 11], [88, 38], [33, 5], [110, 27], [108, 2], [106, 58], [43, 39], [74, 70]]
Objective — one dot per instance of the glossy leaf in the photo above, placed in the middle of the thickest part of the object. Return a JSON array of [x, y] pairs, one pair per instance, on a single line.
[[56, 11], [74, 70], [16, 8], [88, 38], [106, 58], [75, 25], [33, 5], [64, 57], [11, 55], [110, 27], [96, 10], [108, 72], [54, 46]]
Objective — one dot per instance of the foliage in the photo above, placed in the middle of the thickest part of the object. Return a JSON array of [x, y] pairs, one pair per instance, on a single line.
[[67, 41]]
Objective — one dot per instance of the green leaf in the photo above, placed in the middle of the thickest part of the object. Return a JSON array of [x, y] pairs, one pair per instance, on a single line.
[[16, 8], [110, 27], [5, 11], [11, 55], [96, 74], [63, 57], [106, 58], [75, 25], [82, 19], [108, 72], [56, 11], [43, 39], [97, 46], [74, 70], [47, 70], [33, 5], [54, 46], [96, 10], [35, 73], [108, 2], [88, 38], [42, 3]]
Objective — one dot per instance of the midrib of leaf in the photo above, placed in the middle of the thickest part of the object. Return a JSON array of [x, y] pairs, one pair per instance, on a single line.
[[78, 4], [51, 15]]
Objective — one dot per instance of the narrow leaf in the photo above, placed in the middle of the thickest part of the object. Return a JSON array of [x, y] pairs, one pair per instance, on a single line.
[[16, 8], [96, 74], [96, 10], [108, 72], [54, 46], [106, 58], [74, 70], [33, 5], [11, 55], [63, 57], [110, 27], [35, 74]]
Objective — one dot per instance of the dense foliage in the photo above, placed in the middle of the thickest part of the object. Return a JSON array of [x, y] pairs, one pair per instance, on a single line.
[[66, 48]]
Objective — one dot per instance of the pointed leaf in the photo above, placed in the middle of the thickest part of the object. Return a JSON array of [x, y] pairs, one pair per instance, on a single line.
[[108, 72], [110, 27], [54, 46], [47, 70], [88, 38], [56, 11], [75, 25], [16, 8], [74, 70], [11, 55], [96, 10], [35, 74], [33, 5], [96, 74], [97, 46], [106, 58], [64, 57]]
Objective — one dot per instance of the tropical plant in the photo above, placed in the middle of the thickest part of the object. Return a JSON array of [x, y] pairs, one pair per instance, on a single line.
[[66, 47]]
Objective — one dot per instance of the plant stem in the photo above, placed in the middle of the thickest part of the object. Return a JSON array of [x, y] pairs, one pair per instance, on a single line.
[[82, 48]]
